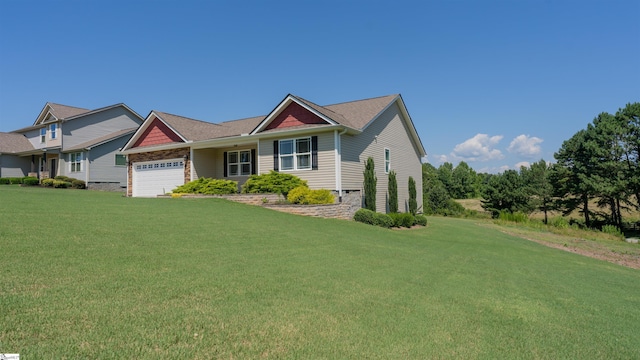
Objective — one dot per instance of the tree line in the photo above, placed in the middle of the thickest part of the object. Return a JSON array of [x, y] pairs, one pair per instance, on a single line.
[[598, 165]]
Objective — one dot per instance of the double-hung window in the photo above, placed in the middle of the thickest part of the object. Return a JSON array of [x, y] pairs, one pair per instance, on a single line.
[[295, 154], [239, 163], [53, 131], [43, 135], [387, 160], [75, 162]]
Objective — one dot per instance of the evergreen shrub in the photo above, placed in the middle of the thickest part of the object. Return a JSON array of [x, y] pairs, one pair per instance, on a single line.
[[272, 183], [78, 184], [373, 218], [305, 196], [208, 186], [5, 181], [30, 181], [47, 182], [421, 220], [402, 219]]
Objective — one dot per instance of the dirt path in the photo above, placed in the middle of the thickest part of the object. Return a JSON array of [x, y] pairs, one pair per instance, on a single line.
[[583, 247]]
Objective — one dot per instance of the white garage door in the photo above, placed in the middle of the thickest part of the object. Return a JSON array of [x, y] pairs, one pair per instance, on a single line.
[[151, 178]]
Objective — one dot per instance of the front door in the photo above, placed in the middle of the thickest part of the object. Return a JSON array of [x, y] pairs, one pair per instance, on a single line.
[[52, 167]]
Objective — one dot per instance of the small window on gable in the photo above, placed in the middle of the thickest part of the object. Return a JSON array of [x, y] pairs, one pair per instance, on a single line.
[[121, 160], [387, 160]]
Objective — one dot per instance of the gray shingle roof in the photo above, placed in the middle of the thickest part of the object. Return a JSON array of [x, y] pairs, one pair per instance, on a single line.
[[65, 111], [101, 140], [11, 143], [353, 114]]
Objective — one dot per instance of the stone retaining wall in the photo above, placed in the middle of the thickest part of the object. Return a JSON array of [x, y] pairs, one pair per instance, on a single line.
[[351, 202]]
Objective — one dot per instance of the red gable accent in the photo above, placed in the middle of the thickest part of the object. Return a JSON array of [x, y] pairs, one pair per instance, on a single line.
[[157, 133], [294, 115]]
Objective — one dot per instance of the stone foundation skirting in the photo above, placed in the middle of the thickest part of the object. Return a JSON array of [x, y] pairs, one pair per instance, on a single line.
[[106, 186]]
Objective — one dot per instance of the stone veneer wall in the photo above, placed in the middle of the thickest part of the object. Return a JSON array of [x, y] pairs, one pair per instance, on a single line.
[[106, 186], [158, 155], [351, 202]]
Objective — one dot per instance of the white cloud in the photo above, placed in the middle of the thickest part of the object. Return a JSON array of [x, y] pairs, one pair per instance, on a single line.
[[478, 148], [525, 145], [522, 163]]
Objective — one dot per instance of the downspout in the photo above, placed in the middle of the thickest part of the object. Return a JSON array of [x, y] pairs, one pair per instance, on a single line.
[[338, 159], [86, 173]]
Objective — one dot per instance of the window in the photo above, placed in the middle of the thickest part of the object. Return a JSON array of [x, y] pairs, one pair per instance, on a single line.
[[121, 160], [387, 160], [53, 131], [75, 160], [295, 154], [239, 163], [43, 135]]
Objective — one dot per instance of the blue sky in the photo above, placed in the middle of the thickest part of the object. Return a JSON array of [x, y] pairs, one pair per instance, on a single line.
[[493, 83]]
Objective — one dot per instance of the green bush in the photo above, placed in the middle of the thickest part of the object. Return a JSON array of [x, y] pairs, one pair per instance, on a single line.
[[517, 217], [272, 183], [78, 184], [208, 186], [305, 196], [15, 180], [63, 178], [402, 219], [559, 222], [421, 220], [373, 218], [612, 230], [5, 181], [60, 184], [47, 182], [30, 181]]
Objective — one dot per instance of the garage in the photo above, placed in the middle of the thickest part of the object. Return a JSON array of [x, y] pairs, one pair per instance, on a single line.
[[152, 178]]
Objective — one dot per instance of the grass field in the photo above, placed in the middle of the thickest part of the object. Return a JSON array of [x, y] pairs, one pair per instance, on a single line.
[[98, 276]]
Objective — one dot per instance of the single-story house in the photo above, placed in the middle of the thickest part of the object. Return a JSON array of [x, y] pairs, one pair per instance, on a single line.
[[325, 145], [75, 142]]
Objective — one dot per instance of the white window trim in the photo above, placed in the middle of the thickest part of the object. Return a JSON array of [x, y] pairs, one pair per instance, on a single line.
[[239, 163], [78, 162], [43, 137], [387, 163], [295, 155], [53, 133]]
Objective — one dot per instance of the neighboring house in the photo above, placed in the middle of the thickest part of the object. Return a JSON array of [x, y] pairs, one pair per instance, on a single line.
[[325, 145], [79, 143]]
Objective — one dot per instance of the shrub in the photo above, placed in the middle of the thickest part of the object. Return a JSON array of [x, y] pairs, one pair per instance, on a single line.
[[78, 184], [413, 202], [30, 181], [60, 184], [560, 222], [402, 219], [421, 220], [208, 186], [612, 230], [15, 180], [518, 217], [305, 196], [370, 183], [47, 182], [393, 192], [63, 178], [373, 218], [272, 183], [5, 181]]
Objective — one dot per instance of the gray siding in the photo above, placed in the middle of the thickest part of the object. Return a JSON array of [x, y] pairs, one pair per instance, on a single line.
[[204, 163], [14, 166], [322, 178], [102, 162], [96, 125], [392, 134]]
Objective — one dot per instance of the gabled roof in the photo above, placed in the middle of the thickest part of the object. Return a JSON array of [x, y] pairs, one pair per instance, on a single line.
[[101, 140], [58, 111], [355, 115], [12, 143]]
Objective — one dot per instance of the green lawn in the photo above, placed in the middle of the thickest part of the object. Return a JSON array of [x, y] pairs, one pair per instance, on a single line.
[[96, 275]]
